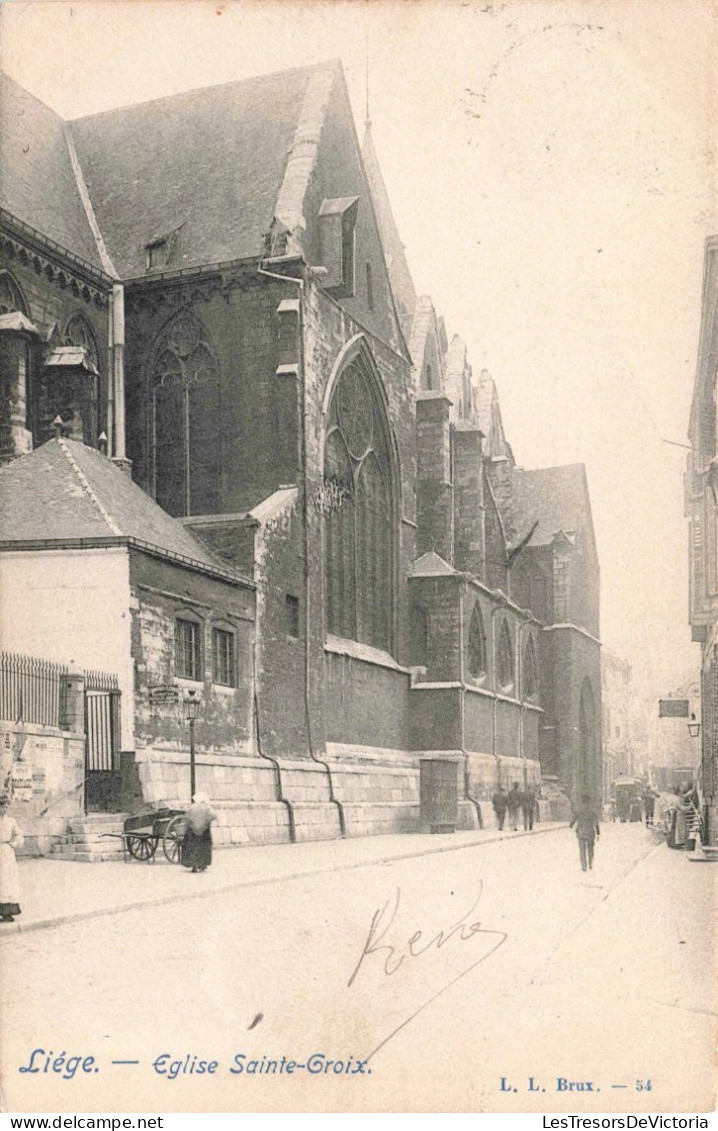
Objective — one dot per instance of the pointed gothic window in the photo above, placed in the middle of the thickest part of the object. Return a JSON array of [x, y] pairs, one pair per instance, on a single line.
[[505, 659], [356, 500], [185, 419], [10, 295], [477, 644], [78, 332], [530, 671]]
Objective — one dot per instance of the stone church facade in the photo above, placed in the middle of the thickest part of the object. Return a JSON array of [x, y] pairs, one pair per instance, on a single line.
[[215, 296]]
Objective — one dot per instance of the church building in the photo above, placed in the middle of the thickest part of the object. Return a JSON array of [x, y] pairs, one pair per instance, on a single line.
[[209, 290]]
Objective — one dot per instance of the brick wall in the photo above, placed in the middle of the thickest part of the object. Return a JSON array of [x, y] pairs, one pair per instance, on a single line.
[[258, 409], [160, 591], [570, 658]]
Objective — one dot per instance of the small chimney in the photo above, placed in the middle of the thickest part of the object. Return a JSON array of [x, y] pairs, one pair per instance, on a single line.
[[58, 425], [102, 443]]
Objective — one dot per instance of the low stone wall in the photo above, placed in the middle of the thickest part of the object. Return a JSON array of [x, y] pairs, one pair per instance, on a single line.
[[375, 791], [44, 769]]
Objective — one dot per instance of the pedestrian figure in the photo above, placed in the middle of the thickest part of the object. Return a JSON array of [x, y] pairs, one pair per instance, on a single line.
[[10, 839], [197, 842], [649, 805], [500, 801], [587, 829], [513, 802], [528, 806]]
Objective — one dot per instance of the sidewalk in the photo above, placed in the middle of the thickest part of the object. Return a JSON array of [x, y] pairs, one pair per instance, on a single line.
[[54, 892]]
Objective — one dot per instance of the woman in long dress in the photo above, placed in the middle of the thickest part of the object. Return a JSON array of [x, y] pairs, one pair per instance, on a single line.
[[197, 843], [10, 839]]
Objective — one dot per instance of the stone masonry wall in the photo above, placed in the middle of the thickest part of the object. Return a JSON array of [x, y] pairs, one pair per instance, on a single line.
[[45, 768]]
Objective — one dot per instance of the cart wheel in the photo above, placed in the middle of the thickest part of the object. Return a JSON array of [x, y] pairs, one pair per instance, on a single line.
[[141, 848], [172, 840]]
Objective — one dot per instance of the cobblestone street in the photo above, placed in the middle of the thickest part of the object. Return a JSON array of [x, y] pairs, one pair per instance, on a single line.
[[543, 974]]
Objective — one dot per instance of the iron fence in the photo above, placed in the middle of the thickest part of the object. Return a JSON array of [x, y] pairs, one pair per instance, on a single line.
[[31, 689]]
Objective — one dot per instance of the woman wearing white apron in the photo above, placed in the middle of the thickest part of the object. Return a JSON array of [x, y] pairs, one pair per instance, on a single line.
[[10, 839]]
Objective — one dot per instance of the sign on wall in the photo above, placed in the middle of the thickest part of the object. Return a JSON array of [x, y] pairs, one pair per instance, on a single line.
[[673, 708], [164, 695]]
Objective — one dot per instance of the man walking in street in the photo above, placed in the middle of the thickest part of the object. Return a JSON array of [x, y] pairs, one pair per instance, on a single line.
[[528, 806], [499, 802], [587, 829], [514, 805]]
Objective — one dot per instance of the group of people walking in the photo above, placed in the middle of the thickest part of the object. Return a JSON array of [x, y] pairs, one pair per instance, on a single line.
[[517, 803]]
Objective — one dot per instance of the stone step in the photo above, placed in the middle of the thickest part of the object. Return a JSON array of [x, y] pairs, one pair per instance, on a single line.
[[93, 851], [102, 822]]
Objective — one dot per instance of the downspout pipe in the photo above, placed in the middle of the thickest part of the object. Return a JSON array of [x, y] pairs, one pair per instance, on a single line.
[[467, 775], [305, 516], [118, 370], [268, 757]]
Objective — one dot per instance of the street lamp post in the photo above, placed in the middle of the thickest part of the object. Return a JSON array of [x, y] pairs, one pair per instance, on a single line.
[[191, 711]]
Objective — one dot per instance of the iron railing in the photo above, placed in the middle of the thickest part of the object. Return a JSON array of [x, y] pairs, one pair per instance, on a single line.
[[31, 690]]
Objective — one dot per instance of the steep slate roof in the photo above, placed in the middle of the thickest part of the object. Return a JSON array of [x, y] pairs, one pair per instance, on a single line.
[[208, 162], [66, 491], [402, 283], [37, 184], [556, 496]]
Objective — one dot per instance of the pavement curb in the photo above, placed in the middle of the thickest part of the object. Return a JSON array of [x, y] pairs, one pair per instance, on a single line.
[[237, 885]]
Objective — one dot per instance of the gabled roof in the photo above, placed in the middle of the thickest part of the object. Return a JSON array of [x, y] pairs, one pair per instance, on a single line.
[[64, 491], [206, 165], [430, 565], [402, 283], [556, 496], [37, 184]]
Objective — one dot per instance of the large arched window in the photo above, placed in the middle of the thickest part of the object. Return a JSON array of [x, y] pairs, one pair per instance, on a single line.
[[477, 644], [505, 659], [79, 332], [357, 505], [185, 401], [530, 682]]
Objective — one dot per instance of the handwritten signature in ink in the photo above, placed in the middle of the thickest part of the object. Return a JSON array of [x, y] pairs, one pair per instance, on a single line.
[[393, 954]]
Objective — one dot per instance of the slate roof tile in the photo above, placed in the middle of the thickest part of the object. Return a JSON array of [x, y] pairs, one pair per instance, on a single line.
[[556, 496], [208, 163], [66, 491], [37, 184]]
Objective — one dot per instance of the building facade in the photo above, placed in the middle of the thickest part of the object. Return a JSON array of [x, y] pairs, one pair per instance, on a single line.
[[248, 339], [701, 500]]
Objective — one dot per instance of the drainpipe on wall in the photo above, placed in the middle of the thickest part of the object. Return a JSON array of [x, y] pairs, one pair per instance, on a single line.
[[118, 370], [277, 768], [305, 516], [110, 420], [467, 775]]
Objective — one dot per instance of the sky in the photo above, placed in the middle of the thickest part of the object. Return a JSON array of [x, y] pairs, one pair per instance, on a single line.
[[552, 172]]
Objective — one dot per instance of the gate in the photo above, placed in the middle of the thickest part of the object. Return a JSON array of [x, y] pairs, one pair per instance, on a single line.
[[103, 778]]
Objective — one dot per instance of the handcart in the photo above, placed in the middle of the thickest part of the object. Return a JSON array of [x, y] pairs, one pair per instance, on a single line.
[[143, 833]]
